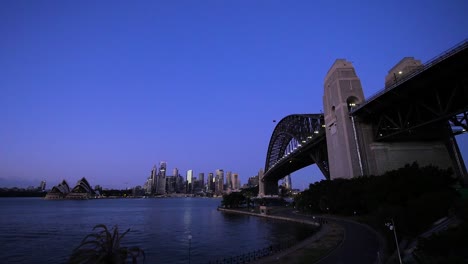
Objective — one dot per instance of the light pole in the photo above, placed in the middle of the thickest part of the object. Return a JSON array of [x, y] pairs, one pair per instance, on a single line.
[[391, 226], [189, 247]]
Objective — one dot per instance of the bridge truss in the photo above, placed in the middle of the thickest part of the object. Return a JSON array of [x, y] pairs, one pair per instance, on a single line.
[[297, 141], [422, 103]]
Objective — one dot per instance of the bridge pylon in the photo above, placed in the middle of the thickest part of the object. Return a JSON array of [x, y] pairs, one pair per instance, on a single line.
[[342, 92]]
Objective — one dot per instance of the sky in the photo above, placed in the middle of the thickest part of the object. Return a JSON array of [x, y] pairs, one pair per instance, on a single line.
[[107, 89]]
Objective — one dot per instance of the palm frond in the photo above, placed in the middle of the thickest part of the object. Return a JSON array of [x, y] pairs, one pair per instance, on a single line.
[[104, 246]]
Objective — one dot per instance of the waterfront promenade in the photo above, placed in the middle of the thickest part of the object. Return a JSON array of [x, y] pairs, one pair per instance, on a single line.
[[338, 240]]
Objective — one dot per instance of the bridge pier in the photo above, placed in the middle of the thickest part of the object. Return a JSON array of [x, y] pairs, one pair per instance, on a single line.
[[342, 92]]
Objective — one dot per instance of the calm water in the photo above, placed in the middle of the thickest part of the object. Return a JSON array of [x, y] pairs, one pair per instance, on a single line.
[[33, 230]]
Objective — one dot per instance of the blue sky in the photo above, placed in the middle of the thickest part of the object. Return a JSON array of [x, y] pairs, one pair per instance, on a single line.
[[106, 89]]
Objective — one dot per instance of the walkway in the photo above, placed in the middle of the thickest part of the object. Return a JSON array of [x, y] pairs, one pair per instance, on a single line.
[[338, 241]]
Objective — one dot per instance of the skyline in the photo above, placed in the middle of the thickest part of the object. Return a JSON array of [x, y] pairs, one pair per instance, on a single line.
[[106, 90]]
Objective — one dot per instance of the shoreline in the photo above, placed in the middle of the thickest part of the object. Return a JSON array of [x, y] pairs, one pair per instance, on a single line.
[[319, 245]]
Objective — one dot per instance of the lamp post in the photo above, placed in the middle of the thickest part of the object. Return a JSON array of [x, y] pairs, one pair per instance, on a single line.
[[189, 247], [391, 226]]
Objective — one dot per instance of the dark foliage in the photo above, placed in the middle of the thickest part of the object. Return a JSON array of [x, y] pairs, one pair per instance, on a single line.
[[117, 193], [21, 193], [233, 200], [240, 199], [413, 196], [105, 247], [449, 246]]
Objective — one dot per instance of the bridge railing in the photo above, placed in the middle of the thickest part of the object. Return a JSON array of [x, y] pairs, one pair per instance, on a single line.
[[444, 55]]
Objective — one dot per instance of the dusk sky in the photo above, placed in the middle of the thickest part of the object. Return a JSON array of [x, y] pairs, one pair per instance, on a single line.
[[106, 89]]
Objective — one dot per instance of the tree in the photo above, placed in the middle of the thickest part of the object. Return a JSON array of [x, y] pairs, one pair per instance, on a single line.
[[233, 200], [104, 247]]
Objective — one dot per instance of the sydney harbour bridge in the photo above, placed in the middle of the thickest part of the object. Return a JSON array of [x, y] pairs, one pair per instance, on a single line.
[[414, 119]]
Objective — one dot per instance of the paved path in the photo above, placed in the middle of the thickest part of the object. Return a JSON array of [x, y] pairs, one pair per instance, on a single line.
[[360, 245]]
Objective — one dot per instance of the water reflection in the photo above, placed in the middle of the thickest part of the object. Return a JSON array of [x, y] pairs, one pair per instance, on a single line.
[[34, 229]]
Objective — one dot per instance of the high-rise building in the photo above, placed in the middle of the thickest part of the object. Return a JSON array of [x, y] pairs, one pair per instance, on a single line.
[[171, 184], [148, 186], [210, 183], [201, 179], [189, 181], [153, 184], [180, 184], [253, 181], [287, 182], [235, 181], [229, 184], [161, 186], [219, 182], [175, 172]]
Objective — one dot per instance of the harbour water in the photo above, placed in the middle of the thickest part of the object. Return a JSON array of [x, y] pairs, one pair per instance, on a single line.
[[33, 230]]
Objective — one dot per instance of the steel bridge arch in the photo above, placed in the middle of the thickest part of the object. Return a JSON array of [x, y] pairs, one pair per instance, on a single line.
[[292, 132]]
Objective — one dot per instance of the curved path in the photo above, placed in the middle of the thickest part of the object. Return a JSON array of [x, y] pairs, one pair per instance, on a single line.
[[360, 245]]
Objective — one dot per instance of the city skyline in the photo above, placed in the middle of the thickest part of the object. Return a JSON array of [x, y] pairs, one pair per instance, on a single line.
[[103, 90]]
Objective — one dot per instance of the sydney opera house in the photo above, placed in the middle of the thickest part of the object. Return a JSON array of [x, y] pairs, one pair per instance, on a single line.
[[81, 191]]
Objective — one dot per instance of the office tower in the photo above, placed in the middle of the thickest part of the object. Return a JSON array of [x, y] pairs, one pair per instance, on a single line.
[[210, 182], [180, 184], [154, 178], [229, 184], [175, 172], [161, 186], [201, 178], [219, 183], [287, 181], [171, 183], [189, 181], [253, 181], [235, 181], [148, 186]]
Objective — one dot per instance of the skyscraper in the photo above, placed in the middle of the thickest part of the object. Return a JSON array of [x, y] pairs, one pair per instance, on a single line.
[[153, 182], [210, 182], [201, 179], [189, 181], [287, 181], [253, 181], [235, 181], [161, 187], [229, 184], [219, 182]]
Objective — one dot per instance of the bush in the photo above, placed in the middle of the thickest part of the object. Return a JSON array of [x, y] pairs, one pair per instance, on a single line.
[[104, 247]]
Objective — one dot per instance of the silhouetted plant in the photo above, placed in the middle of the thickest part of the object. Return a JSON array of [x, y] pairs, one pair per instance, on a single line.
[[105, 247]]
